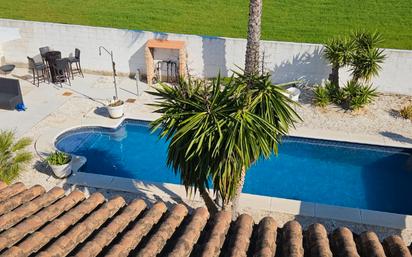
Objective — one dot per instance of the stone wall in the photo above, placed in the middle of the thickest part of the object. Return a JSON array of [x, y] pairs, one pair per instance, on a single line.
[[206, 56]]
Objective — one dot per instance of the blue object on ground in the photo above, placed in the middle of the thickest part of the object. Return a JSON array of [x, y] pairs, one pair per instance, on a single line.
[[20, 107], [321, 171]]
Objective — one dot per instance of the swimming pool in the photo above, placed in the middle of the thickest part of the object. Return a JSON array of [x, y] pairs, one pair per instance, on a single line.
[[310, 170]]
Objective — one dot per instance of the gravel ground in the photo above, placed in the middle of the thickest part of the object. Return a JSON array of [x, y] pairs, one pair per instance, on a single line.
[[379, 118]]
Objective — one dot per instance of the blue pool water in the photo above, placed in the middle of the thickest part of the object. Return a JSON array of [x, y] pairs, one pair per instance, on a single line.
[[327, 172]]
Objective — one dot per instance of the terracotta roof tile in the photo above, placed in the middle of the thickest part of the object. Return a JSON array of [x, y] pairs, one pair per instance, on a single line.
[[133, 237], [66, 243], [21, 198], [395, 247], [12, 218], [38, 239], [165, 231], [370, 245], [343, 243], [217, 235], [104, 237], [292, 239], [32, 223], [191, 234], [38, 223], [241, 236], [9, 191], [266, 238], [317, 242]]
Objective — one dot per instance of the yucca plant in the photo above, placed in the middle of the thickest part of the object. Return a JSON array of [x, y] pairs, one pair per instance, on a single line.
[[321, 96], [216, 129], [358, 95], [13, 155], [335, 93], [367, 58], [339, 52], [366, 40]]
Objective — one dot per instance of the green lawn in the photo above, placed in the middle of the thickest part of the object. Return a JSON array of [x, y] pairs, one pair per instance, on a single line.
[[286, 20]]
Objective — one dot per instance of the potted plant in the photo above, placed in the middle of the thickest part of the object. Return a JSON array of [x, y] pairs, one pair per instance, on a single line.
[[115, 108], [60, 163]]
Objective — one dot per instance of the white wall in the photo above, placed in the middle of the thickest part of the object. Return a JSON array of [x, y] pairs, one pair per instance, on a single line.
[[206, 55]]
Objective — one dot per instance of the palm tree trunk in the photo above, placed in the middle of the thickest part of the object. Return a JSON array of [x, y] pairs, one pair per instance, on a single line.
[[235, 203], [210, 204], [335, 75], [253, 38], [251, 68]]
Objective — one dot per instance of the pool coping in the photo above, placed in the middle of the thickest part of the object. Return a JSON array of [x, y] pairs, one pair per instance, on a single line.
[[257, 202]]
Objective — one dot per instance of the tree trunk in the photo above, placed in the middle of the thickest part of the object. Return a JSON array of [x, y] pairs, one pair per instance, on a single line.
[[253, 37], [334, 76], [210, 204], [235, 203], [251, 68]]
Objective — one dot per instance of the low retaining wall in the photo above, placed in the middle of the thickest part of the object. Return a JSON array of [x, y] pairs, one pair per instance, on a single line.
[[206, 56]]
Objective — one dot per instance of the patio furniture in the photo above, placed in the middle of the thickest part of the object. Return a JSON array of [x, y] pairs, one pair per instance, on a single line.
[[51, 58], [294, 93], [43, 51], [10, 93], [39, 71], [61, 71], [75, 60], [6, 69]]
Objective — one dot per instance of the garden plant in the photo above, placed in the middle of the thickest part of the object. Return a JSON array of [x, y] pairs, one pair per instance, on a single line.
[[360, 52], [13, 155]]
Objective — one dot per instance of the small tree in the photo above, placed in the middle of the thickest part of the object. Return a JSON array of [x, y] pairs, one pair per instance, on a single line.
[[13, 156], [216, 130], [367, 57], [339, 53]]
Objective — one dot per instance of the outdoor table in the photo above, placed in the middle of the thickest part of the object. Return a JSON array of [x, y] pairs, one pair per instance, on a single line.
[[51, 58]]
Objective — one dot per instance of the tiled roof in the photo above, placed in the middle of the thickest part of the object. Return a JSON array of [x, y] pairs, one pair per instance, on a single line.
[[34, 222]]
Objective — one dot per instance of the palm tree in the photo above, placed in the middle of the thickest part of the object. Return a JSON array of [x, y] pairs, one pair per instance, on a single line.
[[339, 52], [217, 130], [13, 156], [253, 37]]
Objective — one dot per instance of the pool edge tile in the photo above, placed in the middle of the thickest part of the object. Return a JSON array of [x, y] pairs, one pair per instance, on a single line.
[[338, 213], [293, 207], [386, 219]]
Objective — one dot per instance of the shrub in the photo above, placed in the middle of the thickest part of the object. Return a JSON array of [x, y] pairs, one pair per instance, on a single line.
[[336, 95], [358, 96], [13, 156], [406, 112], [367, 57], [58, 158], [360, 51], [321, 96]]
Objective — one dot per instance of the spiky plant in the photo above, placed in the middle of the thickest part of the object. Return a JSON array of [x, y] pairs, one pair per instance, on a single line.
[[367, 58], [13, 156], [339, 52], [406, 112], [215, 130], [358, 95], [321, 96]]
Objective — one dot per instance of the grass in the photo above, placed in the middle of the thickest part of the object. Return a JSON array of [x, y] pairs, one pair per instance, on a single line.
[[312, 21]]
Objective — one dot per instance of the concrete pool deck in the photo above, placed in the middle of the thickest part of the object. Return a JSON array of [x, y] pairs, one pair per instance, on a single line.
[[55, 113]]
